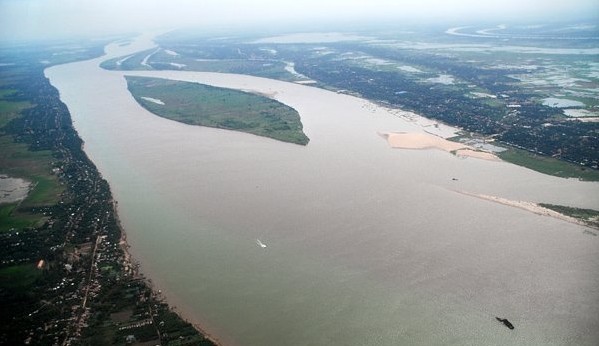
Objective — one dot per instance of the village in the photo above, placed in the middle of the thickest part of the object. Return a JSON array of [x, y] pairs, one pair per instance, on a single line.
[[70, 281]]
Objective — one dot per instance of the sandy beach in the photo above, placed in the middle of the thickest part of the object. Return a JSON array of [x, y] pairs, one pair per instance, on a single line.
[[524, 205], [337, 267], [151, 99], [429, 141], [483, 155]]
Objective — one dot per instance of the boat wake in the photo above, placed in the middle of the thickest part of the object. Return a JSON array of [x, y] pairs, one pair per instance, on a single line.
[[260, 244]]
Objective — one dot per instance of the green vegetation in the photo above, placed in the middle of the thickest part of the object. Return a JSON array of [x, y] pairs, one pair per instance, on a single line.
[[34, 166], [539, 163], [16, 160], [513, 113], [10, 109], [133, 309], [69, 221], [198, 104], [548, 165], [19, 276], [161, 60], [588, 216], [12, 218]]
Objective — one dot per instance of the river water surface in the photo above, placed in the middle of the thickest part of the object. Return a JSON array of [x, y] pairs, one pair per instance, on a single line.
[[365, 245]]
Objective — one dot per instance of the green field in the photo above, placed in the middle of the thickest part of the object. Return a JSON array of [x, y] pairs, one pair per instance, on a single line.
[[548, 165], [19, 276], [16, 160], [10, 109], [11, 217], [203, 105], [35, 166]]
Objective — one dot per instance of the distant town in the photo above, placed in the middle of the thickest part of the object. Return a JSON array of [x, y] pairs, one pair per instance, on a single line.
[[540, 102]]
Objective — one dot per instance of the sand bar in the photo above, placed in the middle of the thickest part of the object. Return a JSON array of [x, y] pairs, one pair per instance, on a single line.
[[151, 99], [528, 206], [476, 154], [337, 256], [420, 141], [430, 141]]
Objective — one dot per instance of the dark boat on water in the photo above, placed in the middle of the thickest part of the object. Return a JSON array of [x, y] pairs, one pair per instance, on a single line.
[[505, 322]]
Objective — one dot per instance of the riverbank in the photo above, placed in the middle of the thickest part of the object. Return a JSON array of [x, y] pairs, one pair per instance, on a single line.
[[195, 199], [133, 268], [534, 208], [65, 279]]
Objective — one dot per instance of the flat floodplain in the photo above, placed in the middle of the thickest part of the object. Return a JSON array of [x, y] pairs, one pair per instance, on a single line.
[[204, 105], [364, 244]]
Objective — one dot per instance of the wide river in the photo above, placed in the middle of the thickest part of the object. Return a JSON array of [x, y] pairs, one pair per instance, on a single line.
[[365, 244]]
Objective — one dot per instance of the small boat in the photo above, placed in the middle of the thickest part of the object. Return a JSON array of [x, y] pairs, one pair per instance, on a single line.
[[260, 244], [505, 322]]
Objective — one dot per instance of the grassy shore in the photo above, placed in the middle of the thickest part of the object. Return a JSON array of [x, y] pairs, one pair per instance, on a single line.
[[548, 165], [203, 105], [588, 216]]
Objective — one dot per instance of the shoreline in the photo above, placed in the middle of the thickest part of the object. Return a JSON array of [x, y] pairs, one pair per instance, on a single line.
[[426, 140], [532, 207], [133, 267], [184, 309]]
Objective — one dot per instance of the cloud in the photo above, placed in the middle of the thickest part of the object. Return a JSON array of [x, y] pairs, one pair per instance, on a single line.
[[45, 18]]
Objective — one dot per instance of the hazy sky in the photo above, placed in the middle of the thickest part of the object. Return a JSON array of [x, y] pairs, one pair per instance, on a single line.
[[50, 18]]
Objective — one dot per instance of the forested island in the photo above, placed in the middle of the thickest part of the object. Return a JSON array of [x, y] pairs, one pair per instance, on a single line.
[[65, 274], [204, 105], [503, 97]]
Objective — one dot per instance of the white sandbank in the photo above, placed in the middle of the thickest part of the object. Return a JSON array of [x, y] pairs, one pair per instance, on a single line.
[[352, 238], [524, 205], [151, 99], [121, 61], [145, 60]]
